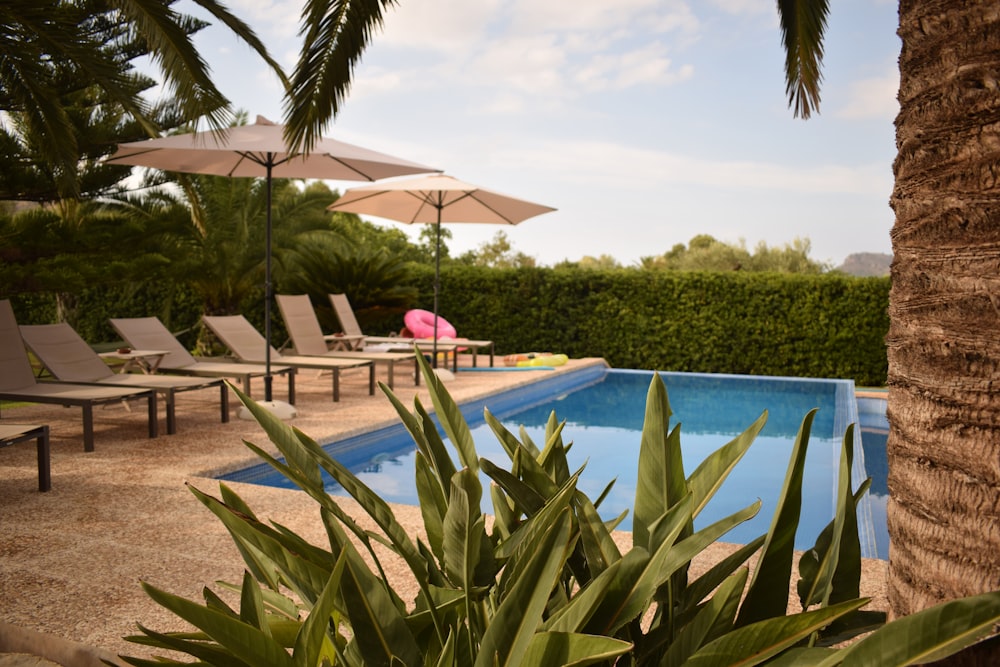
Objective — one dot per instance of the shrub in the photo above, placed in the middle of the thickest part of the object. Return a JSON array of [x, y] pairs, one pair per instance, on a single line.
[[546, 584]]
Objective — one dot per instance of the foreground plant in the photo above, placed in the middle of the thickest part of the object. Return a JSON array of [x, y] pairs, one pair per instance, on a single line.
[[546, 584]]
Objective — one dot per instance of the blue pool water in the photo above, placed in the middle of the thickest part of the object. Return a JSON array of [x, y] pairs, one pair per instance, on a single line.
[[604, 411]]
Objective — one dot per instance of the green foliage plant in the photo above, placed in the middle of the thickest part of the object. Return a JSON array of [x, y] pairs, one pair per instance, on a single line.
[[545, 583]]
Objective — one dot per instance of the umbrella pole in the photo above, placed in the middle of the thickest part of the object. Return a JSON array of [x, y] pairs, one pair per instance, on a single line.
[[437, 287], [267, 289]]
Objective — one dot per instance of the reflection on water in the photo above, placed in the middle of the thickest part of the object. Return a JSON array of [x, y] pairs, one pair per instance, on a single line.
[[873, 441]]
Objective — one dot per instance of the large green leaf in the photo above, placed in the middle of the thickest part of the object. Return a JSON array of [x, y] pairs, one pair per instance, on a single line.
[[539, 523], [629, 598], [827, 560], [527, 499], [433, 503], [553, 456], [715, 618], [831, 570], [685, 550], [313, 645], [245, 642], [306, 578], [373, 505], [464, 533], [379, 627], [576, 616], [519, 616], [768, 593], [701, 587], [572, 650], [755, 643], [519, 548], [660, 482], [928, 635], [197, 645], [284, 437], [506, 439], [252, 605], [276, 602], [598, 545], [450, 417]]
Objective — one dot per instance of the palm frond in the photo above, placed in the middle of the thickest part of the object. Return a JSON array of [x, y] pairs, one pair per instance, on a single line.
[[335, 33], [803, 23]]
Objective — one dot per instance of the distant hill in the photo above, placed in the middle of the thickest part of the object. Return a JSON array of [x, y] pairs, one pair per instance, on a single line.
[[866, 264]]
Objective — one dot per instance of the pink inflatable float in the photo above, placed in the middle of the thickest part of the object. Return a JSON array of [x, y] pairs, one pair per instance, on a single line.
[[421, 324]]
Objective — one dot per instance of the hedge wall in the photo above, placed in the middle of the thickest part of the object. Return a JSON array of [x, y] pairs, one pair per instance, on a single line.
[[746, 323], [752, 323]]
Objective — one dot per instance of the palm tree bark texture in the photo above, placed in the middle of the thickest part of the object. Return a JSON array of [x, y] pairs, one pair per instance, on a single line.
[[944, 308]]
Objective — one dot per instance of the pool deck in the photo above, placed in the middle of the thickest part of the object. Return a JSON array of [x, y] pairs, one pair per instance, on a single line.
[[71, 559]]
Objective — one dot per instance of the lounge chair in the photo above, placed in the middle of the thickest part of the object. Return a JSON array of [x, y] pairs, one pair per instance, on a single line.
[[248, 345], [70, 359], [18, 383], [11, 434], [354, 336], [308, 340], [149, 333]]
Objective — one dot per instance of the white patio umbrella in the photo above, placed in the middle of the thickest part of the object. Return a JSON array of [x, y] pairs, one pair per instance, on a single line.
[[256, 151], [437, 199]]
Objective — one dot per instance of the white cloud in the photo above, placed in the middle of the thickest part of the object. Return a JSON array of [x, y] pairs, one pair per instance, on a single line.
[[605, 164], [743, 7], [872, 98], [447, 26], [599, 16], [280, 18], [552, 52]]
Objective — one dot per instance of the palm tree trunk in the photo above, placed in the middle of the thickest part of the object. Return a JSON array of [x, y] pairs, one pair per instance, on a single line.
[[944, 335]]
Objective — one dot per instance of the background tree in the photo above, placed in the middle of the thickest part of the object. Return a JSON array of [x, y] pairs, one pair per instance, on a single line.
[[65, 242], [429, 248], [361, 233], [43, 250], [45, 43], [497, 253], [375, 279], [705, 253], [944, 412], [602, 263]]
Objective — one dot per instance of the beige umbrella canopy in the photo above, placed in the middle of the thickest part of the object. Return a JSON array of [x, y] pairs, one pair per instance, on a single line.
[[437, 199], [260, 151]]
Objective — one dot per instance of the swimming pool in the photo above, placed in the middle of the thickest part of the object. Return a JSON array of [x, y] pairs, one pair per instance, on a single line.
[[604, 410]]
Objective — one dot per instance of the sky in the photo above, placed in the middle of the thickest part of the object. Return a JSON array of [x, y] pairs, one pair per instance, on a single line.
[[643, 122]]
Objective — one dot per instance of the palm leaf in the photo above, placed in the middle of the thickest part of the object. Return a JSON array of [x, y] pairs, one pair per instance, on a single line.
[[701, 587], [765, 598], [714, 619], [335, 33], [755, 643], [660, 482], [464, 531], [245, 642], [313, 645], [572, 650], [518, 617], [450, 417], [803, 23], [929, 635]]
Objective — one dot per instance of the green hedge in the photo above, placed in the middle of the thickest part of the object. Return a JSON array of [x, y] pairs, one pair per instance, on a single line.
[[746, 323]]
